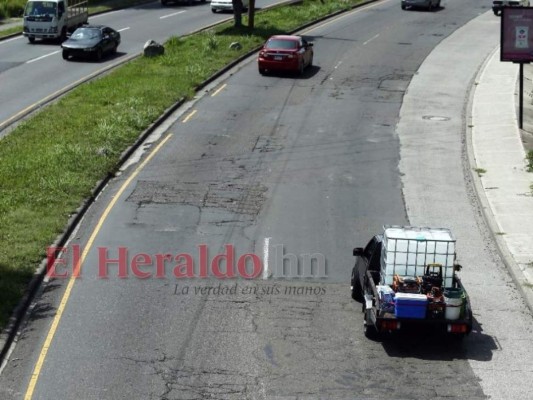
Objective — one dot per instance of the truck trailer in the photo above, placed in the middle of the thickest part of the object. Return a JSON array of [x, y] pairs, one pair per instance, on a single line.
[[53, 19]]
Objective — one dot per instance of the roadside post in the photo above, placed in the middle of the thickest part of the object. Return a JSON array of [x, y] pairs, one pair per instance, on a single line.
[[516, 44]]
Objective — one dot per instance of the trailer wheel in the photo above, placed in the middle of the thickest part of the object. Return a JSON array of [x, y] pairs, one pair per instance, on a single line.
[[31, 39]]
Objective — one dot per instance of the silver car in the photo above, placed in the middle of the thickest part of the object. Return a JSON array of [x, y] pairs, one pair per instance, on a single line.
[[226, 5]]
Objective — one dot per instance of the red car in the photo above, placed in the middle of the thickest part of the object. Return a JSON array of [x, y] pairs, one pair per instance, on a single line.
[[285, 53]]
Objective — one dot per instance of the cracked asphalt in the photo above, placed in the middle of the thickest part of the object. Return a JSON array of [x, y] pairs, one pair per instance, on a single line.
[[311, 165]]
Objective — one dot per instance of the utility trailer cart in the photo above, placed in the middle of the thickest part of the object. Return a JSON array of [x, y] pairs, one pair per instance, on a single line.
[[407, 276]]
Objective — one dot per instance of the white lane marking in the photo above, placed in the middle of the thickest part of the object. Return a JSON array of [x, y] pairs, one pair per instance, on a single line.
[[40, 58], [123, 29], [266, 249], [372, 38], [338, 65], [171, 15], [107, 14], [12, 39]]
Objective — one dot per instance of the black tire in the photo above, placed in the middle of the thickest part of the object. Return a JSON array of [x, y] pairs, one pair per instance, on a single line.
[[213, 11], [301, 68], [114, 49], [99, 54], [164, 3], [438, 5], [310, 61], [357, 289], [63, 35], [369, 330], [262, 71], [65, 55], [31, 39]]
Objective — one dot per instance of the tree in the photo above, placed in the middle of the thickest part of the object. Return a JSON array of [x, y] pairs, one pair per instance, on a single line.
[[251, 14], [237, 12]]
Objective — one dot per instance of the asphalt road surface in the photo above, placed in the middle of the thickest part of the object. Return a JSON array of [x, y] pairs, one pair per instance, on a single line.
[[30, 73], [298, 168]]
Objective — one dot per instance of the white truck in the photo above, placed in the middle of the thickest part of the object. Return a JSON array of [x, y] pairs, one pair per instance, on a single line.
[[52, 19]]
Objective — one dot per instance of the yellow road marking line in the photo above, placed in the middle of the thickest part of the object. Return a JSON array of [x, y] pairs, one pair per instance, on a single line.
[[188, 117], [48, 341], [219, 90], [57, 93]]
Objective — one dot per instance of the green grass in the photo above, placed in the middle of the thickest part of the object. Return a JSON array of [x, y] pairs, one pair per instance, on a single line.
[[50, 163], [11, 8], [529, 160], [480, 171], [10, 31]]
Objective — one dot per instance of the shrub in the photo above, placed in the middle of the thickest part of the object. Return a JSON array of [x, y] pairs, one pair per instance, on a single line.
[[529, 159], [11, 8]]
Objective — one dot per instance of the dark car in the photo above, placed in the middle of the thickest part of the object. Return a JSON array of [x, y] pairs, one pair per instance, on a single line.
[[425, 4], [285, 53], [91, 41]]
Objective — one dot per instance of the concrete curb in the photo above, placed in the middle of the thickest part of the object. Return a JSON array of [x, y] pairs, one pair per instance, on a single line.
[[10, 333], [508, 260]]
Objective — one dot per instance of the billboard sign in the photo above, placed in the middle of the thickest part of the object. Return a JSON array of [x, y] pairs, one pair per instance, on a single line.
[[516, 43]]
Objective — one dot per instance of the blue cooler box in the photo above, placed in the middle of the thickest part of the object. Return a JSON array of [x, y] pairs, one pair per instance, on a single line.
[[409, 305]]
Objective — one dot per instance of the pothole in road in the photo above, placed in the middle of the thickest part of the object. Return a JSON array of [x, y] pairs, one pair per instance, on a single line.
[[237, 198]]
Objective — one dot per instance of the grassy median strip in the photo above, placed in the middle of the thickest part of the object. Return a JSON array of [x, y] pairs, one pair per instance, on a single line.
[[51, 162]]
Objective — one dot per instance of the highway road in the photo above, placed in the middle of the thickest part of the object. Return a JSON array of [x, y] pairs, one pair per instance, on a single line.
[[31, 73], [284, 167]]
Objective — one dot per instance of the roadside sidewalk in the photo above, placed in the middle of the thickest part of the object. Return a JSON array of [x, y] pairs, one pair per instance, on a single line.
[[499, 159]]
